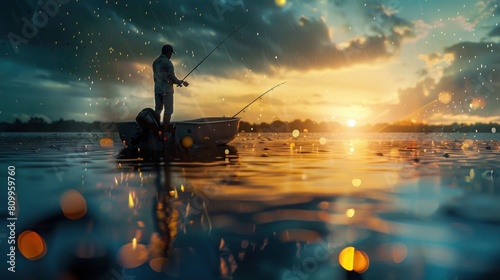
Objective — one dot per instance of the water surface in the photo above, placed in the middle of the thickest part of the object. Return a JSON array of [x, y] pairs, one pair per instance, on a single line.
[[268, 206]]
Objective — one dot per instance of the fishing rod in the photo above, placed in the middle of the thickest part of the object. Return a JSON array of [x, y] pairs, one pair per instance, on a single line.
[[213, 50], [259, 98]]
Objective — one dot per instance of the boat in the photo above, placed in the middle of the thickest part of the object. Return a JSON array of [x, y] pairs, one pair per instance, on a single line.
[[195, 133], [207, 132]]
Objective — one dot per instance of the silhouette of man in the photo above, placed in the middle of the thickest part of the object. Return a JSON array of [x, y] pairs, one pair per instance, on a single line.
[[164, 78]]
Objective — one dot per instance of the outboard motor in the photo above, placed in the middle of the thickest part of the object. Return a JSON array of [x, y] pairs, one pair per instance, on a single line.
[[148, 121], [149, 125]]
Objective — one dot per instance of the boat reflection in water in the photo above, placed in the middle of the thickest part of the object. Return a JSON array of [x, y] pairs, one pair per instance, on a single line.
[[181, 242]]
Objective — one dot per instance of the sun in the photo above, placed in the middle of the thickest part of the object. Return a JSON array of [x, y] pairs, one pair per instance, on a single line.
[[351, 123]]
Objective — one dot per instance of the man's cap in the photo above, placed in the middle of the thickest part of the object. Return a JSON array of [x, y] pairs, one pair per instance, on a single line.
[[166, 48]]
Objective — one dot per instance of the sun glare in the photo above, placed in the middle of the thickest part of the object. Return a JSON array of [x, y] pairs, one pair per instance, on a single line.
[[351, 123]]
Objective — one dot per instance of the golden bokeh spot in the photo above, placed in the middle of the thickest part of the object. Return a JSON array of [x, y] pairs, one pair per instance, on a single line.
[[31, 245], [187, 142], [354, 260], [106, 142], [356, 182], [295, 133], [131, 202], [280, 3], [322, 140], [132, 254], [477, 103], [444, 97], [350, 212], [361, 261], [346, 258], [73, 205]]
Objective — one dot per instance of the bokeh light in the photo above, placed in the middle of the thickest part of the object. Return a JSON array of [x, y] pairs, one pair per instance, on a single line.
[[399, 252], [106, 142], [350, 212], [31, 245], [444, 97], [131, 202], [477, 103], [295, 133], [356, 182], [158, 264], [322, 140], [187, 142], [352, 259], [132, 254], [73, 205]]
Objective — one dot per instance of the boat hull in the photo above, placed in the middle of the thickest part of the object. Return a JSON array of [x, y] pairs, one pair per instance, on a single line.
[[197, 133], [206, 132]]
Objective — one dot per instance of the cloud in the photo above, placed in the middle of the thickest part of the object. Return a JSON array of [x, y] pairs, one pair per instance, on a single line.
[[468, 76], [91, 36], [495, 32]]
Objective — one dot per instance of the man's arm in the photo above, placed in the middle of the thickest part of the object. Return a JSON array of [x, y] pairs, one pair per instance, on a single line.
[[171, 74]]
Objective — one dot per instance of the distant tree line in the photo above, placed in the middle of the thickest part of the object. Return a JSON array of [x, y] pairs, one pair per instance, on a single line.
[[36, 124], [401, 126]]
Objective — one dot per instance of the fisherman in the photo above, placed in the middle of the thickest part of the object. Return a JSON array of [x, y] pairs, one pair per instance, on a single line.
[[164, 78]]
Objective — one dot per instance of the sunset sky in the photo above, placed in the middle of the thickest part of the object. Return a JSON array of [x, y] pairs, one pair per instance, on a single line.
[[368, 61]]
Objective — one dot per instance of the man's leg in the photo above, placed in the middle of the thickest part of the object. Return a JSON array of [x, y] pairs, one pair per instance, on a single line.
[[158, 105], [167, 113], [166, 123]]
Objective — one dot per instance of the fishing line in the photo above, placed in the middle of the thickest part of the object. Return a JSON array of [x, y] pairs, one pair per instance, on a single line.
[[213, 50], [258, 98]]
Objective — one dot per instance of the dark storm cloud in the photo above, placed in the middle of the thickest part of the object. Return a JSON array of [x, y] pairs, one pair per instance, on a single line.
[[274, 36], [290, 40], [495, 32]]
